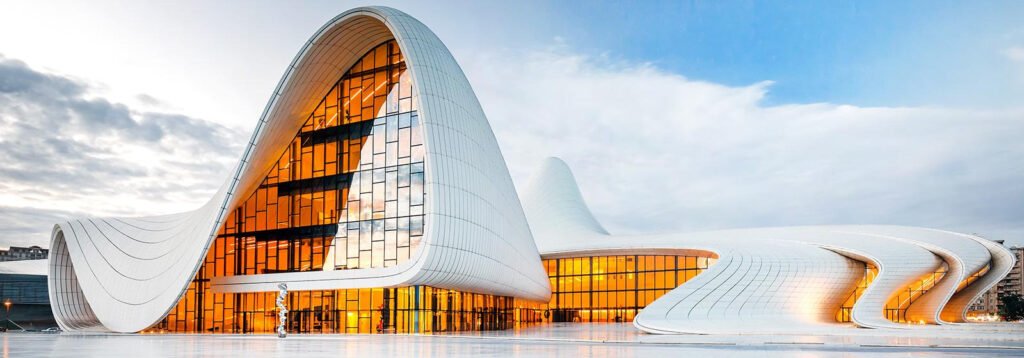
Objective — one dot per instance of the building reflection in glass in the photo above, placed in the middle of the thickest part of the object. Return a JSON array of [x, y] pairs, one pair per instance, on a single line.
[[614, 288], [347, 193]]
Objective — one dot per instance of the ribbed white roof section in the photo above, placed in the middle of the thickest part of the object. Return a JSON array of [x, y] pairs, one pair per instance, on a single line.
[[776, 280], [555, 206], [123, 275], [1002, 262]]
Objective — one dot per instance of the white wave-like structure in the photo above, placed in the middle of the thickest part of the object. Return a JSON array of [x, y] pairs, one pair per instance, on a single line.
[[778, 280], [126, 274]]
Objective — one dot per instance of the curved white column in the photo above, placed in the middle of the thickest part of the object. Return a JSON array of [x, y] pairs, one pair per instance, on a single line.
[[1002, 261]]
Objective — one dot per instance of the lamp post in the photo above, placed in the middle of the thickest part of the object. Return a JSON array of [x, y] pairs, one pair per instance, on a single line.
[[7, 308]]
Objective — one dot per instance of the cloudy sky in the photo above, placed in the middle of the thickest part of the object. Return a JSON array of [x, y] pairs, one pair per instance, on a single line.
[[674, 116]]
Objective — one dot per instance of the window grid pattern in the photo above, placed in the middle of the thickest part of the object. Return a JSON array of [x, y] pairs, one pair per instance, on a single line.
[[614, 288], [70, 303], [416, 309], [347, 193], [348, 190], [23, 289]]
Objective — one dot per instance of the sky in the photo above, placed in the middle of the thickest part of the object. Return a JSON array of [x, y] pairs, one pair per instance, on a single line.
[[675, 116]]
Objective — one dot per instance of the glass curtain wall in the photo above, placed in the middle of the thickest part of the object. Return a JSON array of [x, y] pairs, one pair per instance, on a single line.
[[974, 277], [845, 312], [896, 307], [347, 193], [417, 309], [614, 288]]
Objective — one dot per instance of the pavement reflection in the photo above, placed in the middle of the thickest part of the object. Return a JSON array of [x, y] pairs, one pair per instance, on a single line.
[[556, 340]]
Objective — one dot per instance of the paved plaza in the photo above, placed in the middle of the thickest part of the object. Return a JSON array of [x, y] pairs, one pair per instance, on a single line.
[[558, 340]]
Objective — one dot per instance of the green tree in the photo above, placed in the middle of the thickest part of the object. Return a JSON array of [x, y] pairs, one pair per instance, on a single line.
[[1012, 308]]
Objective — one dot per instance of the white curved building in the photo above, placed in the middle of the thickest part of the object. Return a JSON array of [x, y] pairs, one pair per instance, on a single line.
[[783, 280], [374, 187]]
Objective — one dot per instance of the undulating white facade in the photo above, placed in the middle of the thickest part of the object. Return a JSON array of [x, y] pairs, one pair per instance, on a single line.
[[126, 274], [778, 280]]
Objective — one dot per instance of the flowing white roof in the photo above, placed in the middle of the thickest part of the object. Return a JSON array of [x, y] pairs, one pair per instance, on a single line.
[[776, 280]]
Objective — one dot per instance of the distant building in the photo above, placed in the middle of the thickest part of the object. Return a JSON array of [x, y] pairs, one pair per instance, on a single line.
[[24, 295], [24, 253], [988, 303], [1013, 283]]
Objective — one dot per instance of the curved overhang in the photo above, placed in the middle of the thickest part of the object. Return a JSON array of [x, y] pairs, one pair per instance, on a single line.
[[899, 265], [962, 254], [756, 281], [902, 256], [123, 275], [1002, 261], [753, 263]]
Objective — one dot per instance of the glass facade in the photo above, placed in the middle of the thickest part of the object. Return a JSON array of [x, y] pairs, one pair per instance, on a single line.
[[24, 289], [417, 309], [347, 193], [614, 288], [896, 307], [974, 277], [845, 312]]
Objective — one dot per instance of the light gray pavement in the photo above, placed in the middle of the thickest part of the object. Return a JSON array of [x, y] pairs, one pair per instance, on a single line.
[[558, 340]]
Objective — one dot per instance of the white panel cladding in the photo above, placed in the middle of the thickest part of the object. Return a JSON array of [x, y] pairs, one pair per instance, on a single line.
[[73, 309], [555, 206], [1002, 262], [899, 264], [963, 256], [785, 285], [124, 275], [775, 280]]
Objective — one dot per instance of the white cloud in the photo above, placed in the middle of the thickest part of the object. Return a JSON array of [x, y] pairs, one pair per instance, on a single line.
[[1015, 53], [67, 151], [655, 151]]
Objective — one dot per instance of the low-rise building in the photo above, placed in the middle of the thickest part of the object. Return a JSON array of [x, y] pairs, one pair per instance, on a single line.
[[24, 253], [989, 304], [1012, 283], [24, 296]]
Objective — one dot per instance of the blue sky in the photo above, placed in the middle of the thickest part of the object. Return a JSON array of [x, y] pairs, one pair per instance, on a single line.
[[877, 53], [701, 115]]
